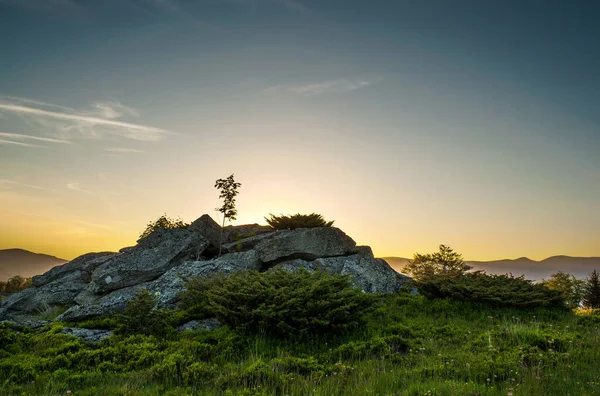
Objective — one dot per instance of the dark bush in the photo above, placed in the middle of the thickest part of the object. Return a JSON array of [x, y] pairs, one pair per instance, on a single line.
[[298, 220], [163, 222], [140, 317], [281, 303], [496, 290]]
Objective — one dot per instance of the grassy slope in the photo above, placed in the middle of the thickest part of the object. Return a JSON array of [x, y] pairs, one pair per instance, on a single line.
[[411, 346]]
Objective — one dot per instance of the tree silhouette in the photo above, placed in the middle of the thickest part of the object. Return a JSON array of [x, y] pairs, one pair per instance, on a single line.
[[591, 293], [228, 191], [569, 287], [445, 262]]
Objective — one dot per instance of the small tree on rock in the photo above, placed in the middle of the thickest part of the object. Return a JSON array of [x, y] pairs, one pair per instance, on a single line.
[[591, 293], [228, 189]]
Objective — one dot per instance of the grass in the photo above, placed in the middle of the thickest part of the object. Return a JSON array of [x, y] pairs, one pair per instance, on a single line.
[[410, 346]]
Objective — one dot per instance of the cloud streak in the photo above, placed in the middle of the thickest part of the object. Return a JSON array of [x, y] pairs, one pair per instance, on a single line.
[[123, 150], [19, 136], [93, 125], [321, 88], [4, 141]]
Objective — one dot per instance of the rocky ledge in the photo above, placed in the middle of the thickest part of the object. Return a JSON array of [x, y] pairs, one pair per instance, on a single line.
[[98, 284]]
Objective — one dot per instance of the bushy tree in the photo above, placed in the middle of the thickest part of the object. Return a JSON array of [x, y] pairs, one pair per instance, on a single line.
[[591, 291], [14, 285], [569, 287], [291, 222], [228, 190], [163, 222], [140, 317], [496, 290], [445, 262], [281, 303]]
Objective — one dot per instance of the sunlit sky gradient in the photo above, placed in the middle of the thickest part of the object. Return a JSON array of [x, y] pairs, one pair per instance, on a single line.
[[411, 123]]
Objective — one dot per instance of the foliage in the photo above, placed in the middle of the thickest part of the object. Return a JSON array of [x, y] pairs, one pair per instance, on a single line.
[[228, 190], [163, 222], [140, 317], [410, 346], [496, 290], [280, 303], [591, 291], [445, 262], [14, 285], [570, 287], [291, 222]]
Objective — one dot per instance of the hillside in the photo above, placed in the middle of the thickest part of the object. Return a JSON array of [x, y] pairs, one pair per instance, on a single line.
[[25, 263], [536, 270]]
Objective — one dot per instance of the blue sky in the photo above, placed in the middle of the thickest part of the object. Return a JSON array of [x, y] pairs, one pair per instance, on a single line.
[[412, 123]]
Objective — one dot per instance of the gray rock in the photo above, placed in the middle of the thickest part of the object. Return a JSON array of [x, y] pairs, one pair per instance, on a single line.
[[85, 263], [305, 243], [235, 233], [30, 323], [166, 288], [205, 324], [152, 257], [295, 265], [208, 228], [88, 335], [58, 293], [108, 304], [369, 273], [249, 243]]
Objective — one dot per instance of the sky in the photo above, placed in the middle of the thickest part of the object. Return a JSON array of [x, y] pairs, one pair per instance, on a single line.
[[474, 124]]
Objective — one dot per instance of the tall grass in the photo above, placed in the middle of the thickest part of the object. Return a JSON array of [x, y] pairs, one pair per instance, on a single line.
[[410, 346]]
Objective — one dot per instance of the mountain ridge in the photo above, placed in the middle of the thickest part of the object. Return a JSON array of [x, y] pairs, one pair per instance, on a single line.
[[17, 261], [531, 269]]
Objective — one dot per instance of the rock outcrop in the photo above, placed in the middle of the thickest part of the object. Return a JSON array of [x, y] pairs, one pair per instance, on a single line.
[[98, 284]]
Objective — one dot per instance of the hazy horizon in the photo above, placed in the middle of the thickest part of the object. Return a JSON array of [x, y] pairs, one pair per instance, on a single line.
[[411, 124]]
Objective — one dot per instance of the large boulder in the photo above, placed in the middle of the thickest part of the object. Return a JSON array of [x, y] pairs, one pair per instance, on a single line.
[[166, 288], [86, 264], [249, 243], [58, 293], [208, 228], [306, 244], [367, 272], [152, 257], [236, 233]]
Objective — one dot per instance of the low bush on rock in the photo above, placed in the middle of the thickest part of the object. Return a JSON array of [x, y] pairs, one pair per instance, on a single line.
[[281, 303], [163, 222], [291, 222]]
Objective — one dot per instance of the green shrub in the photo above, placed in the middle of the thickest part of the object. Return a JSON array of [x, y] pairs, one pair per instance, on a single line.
[[140, 317], [496, 290], [298, 220], [163, 222], [281, 303]]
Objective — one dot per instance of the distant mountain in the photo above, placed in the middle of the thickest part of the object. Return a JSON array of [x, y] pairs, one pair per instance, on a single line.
[[25, 263], [535, 270]]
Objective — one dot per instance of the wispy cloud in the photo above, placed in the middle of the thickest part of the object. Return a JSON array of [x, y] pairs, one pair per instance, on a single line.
[[19, 136], [6, 183], [3, 141], [123, 150], [95, 123], [321, 88], [76, 187]]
